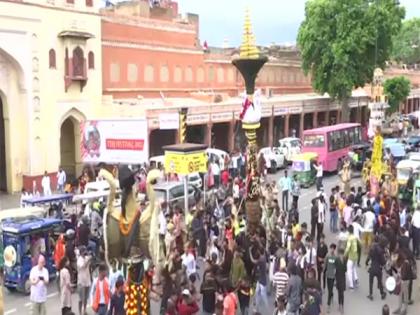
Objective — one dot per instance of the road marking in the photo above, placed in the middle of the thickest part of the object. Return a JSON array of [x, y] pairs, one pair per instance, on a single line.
[[52, 294], [28, 304], [13, 310]]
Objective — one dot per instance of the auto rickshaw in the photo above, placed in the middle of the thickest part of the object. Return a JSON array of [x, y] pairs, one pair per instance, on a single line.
[[405, 173], [23, 240], [358, 154], [416, 190], [303, 168]]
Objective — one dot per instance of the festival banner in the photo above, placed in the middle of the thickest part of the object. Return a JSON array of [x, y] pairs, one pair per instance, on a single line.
[[114, 141]]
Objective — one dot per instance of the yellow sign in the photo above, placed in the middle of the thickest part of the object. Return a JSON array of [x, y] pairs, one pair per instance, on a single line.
[[185, 163]]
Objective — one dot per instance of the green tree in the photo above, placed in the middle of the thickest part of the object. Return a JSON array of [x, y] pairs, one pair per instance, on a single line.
[[397, 89], [406, 48], [343, 41]]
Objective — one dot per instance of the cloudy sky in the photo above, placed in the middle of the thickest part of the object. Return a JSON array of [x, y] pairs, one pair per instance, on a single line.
[[273, 20]]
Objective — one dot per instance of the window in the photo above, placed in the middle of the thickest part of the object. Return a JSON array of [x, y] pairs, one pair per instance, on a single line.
[[91, 60], [149, 73], [89, 3], [132, 72], [164, 74], [78, 62], [200, 75], [220, 75], [177, 74], [314, 141], [51, 59], [357, 135], [66, 65], [211, 74], [188, 74], [114, 72]]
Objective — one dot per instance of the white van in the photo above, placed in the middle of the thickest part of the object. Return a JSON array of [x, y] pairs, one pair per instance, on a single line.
[[290, 147]]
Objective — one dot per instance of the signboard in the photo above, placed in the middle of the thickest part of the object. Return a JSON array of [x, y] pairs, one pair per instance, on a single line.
[[114, 141], [221, 117], [280, 111], [266, 111], [295, 110], [198, 119], [185, 163], [309, 108], [168, 121]]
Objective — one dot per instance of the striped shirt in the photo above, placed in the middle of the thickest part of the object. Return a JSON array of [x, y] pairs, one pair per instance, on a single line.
[[280, 281]]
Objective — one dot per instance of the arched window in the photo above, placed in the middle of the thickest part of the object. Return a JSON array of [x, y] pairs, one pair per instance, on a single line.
[[91, 60], [78, 62], [51, 59]]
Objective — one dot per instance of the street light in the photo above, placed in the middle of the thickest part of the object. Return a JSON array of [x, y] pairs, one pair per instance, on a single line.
[[249, 64]]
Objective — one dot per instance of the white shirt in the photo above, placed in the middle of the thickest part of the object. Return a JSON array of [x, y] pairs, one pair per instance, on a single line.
[[83, 271], [357, 228], [39, 290], [416, 219], [162, 223], [188, 261], [321, 212], [319, 170], [235, 191], [369, 221], [46, 183], [215, 169], [61, 178], [308, 258]]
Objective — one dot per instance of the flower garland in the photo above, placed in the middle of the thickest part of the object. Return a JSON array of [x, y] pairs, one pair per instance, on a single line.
[[124, 228]]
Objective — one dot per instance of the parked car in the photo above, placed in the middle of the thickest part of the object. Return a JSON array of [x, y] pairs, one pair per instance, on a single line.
[[173, 193], [194, 179], [274, 159], [290, 147], [216, 154], [413, 143]]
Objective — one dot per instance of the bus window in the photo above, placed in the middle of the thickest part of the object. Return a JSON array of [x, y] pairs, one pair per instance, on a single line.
[[330, 141], [314, 141], [352, 136], [358, 135]]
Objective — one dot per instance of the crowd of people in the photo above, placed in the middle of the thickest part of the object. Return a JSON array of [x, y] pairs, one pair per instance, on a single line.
[[212, 266]]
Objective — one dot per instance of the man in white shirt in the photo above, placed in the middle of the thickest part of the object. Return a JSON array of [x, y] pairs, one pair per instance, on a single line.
[[415, 221], [39, 278], [46, 184], [368, 223], [215, 169], [83, 278], [188, 261], [319, 174], [61, 180], [322, 209]]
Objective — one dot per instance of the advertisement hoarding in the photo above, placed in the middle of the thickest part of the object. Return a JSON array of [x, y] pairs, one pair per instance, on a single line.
[[114, 141]]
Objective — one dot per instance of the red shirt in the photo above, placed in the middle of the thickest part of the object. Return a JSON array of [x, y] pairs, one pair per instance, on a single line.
[[187, 309], [225, 177]]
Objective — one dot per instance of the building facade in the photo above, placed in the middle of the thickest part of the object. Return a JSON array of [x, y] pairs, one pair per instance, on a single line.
[[50, 81]]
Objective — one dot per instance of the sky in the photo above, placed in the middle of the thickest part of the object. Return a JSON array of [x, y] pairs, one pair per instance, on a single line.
[[272, 20]]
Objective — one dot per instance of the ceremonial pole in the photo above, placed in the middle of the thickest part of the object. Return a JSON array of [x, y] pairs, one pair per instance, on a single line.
[[249, 64]]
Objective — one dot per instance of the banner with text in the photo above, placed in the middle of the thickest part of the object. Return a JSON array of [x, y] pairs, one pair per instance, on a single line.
[[114, 141]]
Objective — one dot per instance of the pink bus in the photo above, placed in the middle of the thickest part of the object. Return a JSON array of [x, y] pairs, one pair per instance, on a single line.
[[332, 143]]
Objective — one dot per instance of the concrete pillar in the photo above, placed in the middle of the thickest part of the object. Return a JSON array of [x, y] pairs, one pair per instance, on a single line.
[[270, 131], [327, 117], [207, 138], [301, 124], [315, 119], [286, 125], [231, 136], [359, 115]]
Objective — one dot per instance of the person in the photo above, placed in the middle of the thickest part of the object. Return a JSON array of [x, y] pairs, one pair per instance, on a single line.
[[377, 258], [280, 280], [215, 170], [351, 254], [415, 223], [368, 222], [39, 278], [46, 184], [230, 301], [186, 305], [280, 306], [329, 273], [322, 209], [61, 180], [312, 295], [385, 310], [314, 217], [285, 184], [404, 269], [260, 261], [319, 173], [208, 289], [295, 190], [340, 278], [65, 285], [114, 275], [83, 278], [294, 291], [321, 253], [100, 293], [244, 296], [117, 300], [237, 272], [333, 211]]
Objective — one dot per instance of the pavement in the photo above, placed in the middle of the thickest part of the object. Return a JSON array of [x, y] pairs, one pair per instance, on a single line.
[[355, 303]]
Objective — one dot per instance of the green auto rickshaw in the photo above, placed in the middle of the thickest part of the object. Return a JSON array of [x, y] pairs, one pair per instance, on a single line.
[[303, 168]]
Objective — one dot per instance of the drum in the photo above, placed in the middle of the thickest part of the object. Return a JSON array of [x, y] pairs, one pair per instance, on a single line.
[[390, 284]]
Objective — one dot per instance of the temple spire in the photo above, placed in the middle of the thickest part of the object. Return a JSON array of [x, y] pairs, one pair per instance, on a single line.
[[248, 47]]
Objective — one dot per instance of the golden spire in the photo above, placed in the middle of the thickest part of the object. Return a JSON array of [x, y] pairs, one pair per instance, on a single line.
[[248, 47]]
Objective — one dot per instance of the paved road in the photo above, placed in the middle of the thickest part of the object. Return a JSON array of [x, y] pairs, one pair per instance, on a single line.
[[356, 302]]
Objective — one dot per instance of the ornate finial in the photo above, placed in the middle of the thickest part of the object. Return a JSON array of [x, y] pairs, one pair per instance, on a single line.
[[377, 86], [248, 48]]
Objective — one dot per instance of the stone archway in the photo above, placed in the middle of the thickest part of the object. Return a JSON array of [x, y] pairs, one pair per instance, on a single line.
[[70, 159]]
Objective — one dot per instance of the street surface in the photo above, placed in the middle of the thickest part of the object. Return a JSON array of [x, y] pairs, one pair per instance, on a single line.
[[355, 303]]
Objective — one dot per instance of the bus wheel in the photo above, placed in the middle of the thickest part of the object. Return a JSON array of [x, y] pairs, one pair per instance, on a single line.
[[27, 287]]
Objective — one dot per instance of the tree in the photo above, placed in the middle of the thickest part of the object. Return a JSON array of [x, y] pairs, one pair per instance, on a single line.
[[406, 48], [343, 41], [397, 89]]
